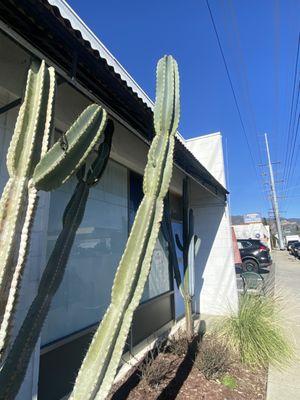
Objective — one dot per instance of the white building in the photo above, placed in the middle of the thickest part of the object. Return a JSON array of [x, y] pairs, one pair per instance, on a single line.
[[87, 73]]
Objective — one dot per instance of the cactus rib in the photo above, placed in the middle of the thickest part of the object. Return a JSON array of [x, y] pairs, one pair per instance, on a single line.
[[101, 362]]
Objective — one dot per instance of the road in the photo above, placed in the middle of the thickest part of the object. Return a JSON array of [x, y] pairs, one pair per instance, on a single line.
[[285, 385]]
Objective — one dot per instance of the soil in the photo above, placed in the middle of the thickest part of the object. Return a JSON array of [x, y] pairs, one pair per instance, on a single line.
[[184, 381]]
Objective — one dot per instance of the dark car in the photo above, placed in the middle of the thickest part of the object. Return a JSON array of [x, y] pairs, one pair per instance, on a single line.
[[254, 254], [290, 243], [294, 247]]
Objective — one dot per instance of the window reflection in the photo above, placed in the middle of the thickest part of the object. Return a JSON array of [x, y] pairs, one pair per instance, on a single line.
[[158, 280], [99, 244]]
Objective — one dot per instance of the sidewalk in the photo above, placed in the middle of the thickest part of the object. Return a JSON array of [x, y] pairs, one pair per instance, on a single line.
[[285, 385]]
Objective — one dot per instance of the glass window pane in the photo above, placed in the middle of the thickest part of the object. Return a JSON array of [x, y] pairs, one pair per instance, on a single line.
[[158, 280], [100, 241]]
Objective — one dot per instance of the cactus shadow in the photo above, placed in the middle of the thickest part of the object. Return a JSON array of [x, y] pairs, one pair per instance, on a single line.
[[171, 391]]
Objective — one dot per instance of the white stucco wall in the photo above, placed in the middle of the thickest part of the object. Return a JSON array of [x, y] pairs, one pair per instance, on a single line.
[[216, 289], [208, 149]]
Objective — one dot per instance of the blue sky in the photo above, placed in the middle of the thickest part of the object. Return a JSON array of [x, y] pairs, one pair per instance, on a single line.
[[259, 40]]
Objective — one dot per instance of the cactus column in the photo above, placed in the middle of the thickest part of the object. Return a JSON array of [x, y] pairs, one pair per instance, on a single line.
[[14, 368], [31, 168], [189, 247], [103, 357]]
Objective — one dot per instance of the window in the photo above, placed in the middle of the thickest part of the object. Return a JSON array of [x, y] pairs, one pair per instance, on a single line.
[[159, 279], [246, 244], [99, 244]]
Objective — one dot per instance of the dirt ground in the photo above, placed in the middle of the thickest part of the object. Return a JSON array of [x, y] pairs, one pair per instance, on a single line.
[[185, 381]]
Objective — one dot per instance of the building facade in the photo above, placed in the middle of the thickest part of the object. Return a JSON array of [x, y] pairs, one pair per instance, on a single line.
[[87, 72]]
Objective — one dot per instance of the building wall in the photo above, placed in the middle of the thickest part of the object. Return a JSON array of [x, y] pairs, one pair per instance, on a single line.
[[208, 150], [216, 290]]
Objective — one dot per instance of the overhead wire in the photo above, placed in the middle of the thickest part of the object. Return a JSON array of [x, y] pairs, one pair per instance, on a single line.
[[233, 90], [287, 151]]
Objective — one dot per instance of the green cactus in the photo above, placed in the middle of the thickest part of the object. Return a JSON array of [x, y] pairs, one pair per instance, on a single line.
[[103, 357], [189, 247], [14, 368], [32, 167]]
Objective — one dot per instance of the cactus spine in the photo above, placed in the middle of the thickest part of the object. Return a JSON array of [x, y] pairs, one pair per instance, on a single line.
[[101, 362], [32, 167], [189, 247], [14, 368]]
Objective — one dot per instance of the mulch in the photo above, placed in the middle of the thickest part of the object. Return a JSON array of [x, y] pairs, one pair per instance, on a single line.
[[185, 381]]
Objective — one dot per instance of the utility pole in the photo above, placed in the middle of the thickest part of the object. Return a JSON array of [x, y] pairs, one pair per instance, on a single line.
[[274, 197]]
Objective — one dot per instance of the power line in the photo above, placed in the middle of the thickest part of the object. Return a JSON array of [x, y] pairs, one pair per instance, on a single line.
[[244, 75], [287, 153], [232, 88]]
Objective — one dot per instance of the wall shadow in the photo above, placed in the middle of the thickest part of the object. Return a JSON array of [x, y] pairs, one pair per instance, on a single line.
[[207, 224]]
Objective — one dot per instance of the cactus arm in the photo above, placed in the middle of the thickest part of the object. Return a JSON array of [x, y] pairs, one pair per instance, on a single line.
[[168, 234], [197, 244], [56, 167], [34, 121], [99, 165], [14, 368], [102, 359], [178, 242], [19, 198]]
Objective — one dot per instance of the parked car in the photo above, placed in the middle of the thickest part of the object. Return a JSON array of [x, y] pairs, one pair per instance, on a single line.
[[255, 255], [294, 248], [289, 244], [297, 252]]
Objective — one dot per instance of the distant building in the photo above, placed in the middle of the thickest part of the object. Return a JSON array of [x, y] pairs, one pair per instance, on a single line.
[[254, 231]]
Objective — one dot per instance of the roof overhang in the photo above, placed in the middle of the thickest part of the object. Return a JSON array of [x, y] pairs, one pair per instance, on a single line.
[[53, 28]]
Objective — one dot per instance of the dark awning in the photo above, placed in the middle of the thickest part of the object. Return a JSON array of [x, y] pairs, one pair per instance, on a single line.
[[43, 26]]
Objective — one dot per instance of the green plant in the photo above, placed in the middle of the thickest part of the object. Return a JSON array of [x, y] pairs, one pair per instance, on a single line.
[[13, 371], [189, 247], [213, 358], [229, 381], [32, 167], [255, 332], [101, 362]]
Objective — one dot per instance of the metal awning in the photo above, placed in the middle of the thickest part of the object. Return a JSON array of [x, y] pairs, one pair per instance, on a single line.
[[53, 28]]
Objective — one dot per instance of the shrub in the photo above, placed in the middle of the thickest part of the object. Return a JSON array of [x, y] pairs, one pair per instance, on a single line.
[[179, 344], [213, 358], [255, 332], [155, 368]]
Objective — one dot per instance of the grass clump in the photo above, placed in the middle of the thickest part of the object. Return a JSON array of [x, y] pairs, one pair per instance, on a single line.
[[255, 332], [213, 358], [229, 381]]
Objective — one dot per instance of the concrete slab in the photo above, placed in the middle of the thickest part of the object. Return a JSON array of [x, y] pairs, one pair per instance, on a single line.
[[285, 385]]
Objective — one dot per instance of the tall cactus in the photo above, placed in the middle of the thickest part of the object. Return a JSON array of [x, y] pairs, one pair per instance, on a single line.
[[101, 362], [189, 247], [14, 368], [32, 167]]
